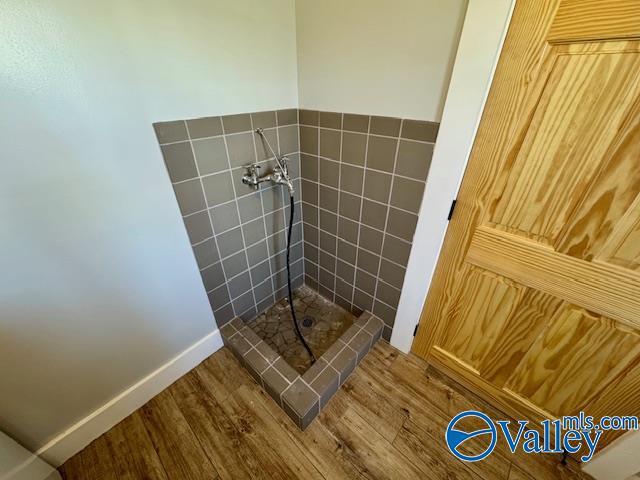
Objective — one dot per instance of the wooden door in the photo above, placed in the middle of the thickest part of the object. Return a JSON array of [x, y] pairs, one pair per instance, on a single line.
[[536, 298]]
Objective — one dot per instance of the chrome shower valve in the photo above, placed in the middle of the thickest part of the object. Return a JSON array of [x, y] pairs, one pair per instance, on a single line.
[[279, 176], [252, 177]]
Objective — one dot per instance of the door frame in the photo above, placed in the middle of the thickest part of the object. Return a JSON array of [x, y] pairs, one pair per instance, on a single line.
[[485, 27]]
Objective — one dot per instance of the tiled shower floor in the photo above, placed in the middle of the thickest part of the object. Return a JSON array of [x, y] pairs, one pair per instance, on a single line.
[[339, 341], [275, 327]]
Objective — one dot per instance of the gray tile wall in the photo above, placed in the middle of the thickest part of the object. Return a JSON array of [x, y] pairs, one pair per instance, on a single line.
[[359, 184], [237, 233], [363, 179]]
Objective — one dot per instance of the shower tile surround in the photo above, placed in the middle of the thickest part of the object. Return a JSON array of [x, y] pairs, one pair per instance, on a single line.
[[302, 396], [363, 178], [359, 182], [238, 234]]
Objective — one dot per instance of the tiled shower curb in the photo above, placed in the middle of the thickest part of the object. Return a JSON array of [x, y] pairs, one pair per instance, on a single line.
[[303, 396]]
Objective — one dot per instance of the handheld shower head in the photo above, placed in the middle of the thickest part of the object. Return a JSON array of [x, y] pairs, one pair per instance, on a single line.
[[281, 173]]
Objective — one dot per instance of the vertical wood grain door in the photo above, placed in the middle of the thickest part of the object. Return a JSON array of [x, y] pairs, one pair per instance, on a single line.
[[536, 298]]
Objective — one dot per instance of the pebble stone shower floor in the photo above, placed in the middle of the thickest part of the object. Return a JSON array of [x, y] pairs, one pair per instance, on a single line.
[[328, 322]]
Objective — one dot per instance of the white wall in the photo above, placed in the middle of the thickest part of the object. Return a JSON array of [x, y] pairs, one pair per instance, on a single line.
[[377, 57], [485, 27], [99, 286]]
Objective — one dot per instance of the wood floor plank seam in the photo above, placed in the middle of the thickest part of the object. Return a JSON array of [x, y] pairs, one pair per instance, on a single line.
[[211, 460], [234, 424]]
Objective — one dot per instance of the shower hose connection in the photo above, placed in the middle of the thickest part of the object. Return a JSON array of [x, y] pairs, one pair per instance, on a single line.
[[293, 310], [280, 176]]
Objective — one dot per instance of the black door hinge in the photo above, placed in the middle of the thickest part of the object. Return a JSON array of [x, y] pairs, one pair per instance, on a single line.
[[415, 330], [453, 207]]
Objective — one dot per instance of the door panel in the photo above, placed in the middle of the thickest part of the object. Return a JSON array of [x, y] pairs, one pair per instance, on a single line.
[[622, 248], [581, 107], [484, 303], [596, 286], [585, 20], [568, 364], [536, 297], [622, 398], [608, 200], [518, 335]]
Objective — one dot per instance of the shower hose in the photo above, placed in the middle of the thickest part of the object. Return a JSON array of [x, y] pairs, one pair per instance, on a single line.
[[293, 310]]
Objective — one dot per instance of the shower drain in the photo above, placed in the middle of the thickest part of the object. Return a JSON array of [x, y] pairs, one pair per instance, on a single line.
[[307, 322]]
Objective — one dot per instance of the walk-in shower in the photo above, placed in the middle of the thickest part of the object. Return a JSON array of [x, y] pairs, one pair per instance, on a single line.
[[283, 296], [280, 176]]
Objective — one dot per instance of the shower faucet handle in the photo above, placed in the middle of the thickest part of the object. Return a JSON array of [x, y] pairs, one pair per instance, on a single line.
[[285, 167], [252, 177]]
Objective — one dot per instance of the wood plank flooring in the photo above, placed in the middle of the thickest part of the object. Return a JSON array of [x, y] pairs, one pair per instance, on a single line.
[[387, 422]]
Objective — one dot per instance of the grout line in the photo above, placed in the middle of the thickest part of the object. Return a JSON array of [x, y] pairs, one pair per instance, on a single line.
[[367, 168], [363, 249], [206, 209], [283, 196], [356, 268], [178, 141], [230, 171], [318, 193], [268, 259], [318, 374], [398, 137], [246, 311], [230, 302], [355, 221], [362, 291], [384, 232], [217, 136], [262, 282], [225, 231], [386, 222], [213, 174], [229, 202], [235, 194], [300, 193], [251, 246], [186, 126], [240, 224], [346, 301], [281, 375], [366, 155], [310, 388], [253, 347], [264, 217], [346, 345], [335, 277], [205, 240], [362, 196], [267, 360], [300, 203], [299, 180], [306, 125]]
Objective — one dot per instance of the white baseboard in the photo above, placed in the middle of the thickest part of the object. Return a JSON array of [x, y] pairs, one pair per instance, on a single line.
[[17, 463], [32, 469], [81, 434]]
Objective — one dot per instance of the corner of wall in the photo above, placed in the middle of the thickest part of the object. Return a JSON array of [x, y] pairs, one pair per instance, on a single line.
[[295, 34]]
